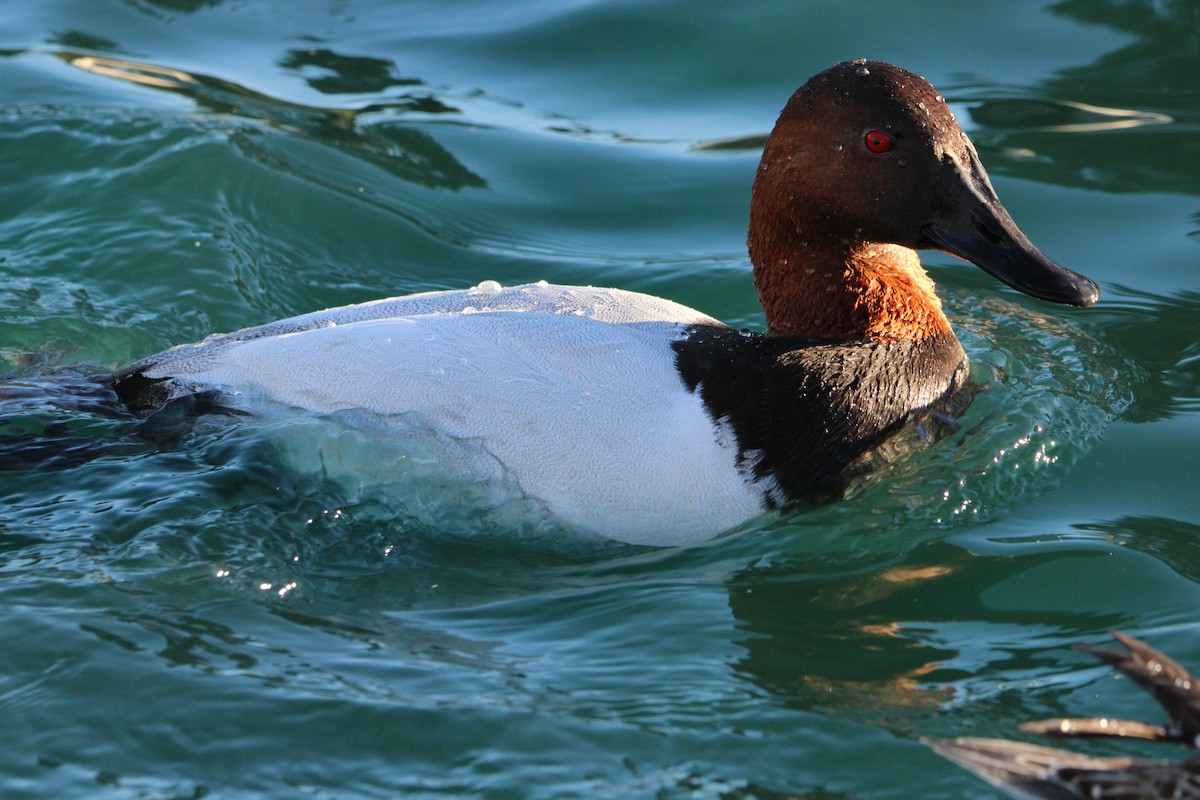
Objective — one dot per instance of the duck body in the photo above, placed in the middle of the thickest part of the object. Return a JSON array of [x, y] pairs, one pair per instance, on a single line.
[[646, 421], [630, 417]]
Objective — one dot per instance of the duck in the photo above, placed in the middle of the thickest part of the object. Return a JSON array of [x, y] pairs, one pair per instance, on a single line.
[[1034, 772], [637, 419]]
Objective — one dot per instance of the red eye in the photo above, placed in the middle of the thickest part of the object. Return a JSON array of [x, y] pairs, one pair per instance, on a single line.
[[878, 141]]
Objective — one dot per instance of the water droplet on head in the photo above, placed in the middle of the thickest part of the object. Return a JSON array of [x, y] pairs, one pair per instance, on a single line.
[[921, 105], [903, 162], [859, 61], [837, 148], [862, 71]]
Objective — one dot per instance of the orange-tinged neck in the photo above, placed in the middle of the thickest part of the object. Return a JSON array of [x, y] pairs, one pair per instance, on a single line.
[[835, 290]]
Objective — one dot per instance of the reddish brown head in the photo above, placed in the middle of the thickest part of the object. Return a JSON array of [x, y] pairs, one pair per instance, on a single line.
[[866, 164]]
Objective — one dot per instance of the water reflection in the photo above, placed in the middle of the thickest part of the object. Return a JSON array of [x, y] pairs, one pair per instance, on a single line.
[[1062, 116], [78, 40], [155, 7], [230, 636], [1171, 541], [884, 645], [1131, 157], [1159, 334], [410, 154], [345, 74], [1164, 28]]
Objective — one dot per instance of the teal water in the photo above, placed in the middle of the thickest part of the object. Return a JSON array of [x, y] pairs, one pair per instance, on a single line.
[[206, 621]]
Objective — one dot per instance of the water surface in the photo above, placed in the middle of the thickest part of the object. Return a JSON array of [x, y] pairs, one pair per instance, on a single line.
[[202, 621]]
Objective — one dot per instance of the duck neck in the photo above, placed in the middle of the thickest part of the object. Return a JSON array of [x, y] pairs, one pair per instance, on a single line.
[[822, 287]]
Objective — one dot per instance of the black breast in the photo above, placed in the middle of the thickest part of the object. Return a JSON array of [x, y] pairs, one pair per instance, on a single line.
[[802, 410]]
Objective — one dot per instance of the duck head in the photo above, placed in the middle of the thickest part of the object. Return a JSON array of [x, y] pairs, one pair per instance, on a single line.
[[865, 165]]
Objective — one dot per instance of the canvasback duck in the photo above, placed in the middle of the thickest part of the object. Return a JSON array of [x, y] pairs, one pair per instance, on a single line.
[[1033, 772], [648, 422]]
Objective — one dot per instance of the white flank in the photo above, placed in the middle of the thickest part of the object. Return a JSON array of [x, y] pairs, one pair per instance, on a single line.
[[574, 391]]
